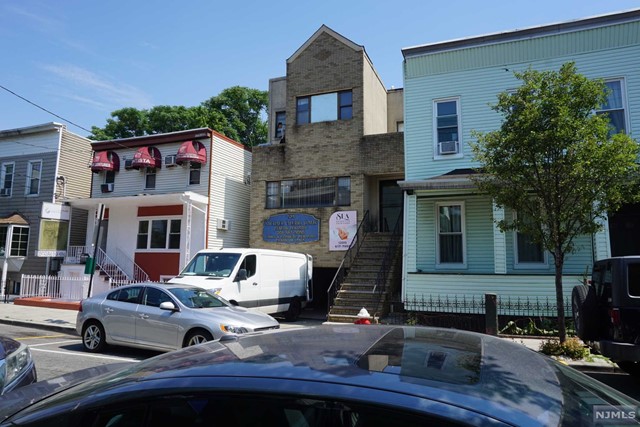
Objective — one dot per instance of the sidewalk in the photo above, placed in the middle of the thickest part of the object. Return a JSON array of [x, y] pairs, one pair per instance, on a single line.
[[61, 320]]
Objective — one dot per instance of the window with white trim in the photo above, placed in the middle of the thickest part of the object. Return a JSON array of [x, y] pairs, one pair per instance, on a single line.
[[150, 179], [614, 106], [19, 240], [527, 252], [446, 125], [451, 239], [324, 107], [6, 179], [194, 173], [159, 234], [34, 174]]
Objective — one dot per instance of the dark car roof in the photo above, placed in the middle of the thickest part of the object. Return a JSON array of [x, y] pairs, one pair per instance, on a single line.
[[468, 371]]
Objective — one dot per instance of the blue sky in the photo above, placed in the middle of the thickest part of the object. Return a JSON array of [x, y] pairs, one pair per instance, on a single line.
[[84, 59]]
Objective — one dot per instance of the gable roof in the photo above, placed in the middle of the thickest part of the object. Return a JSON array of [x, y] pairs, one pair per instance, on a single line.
[[325, 30]]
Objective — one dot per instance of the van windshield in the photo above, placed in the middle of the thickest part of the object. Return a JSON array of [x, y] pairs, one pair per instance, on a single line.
[[211, 264]]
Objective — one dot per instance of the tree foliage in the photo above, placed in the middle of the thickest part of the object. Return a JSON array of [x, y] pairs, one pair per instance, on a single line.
[[236, 113], [556, 163]]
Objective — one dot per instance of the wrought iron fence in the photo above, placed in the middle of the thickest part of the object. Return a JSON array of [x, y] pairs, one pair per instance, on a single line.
[[516, 315]]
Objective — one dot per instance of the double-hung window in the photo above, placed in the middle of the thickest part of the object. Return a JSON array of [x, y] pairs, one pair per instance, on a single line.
[[614, 106], [450, 239], [34, 174], [150, 179], [324, 107], [528, 253], [194, 173], [446, 122], [159, 234], [6, 179], [280, 124]]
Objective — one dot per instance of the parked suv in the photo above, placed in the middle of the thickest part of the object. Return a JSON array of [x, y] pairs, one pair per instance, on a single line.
[[606, 311]]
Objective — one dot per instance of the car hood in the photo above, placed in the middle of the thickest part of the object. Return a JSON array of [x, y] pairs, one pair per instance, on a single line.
[[240, 316]]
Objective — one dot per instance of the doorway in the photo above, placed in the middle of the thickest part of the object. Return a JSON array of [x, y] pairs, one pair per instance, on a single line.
[[390, 205]]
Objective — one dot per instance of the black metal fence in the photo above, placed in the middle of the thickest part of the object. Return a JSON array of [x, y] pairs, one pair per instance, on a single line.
[[516, 315]]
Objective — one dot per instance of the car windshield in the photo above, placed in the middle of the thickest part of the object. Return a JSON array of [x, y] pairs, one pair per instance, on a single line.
[[197, 298], [214, 264]]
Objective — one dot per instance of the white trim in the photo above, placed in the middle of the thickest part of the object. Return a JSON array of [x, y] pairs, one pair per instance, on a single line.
[[623, 93], [27, 189], [3, 174], [463, 264], [436, 143]]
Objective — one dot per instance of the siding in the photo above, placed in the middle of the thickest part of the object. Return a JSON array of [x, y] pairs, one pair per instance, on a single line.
[[229, 198]]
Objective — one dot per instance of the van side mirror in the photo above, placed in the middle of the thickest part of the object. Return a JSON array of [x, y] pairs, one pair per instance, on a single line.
[[242, 275]]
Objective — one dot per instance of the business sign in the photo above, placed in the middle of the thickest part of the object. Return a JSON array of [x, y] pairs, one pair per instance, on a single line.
[[55, 211], [343, 226], [291, 228], [53, 238]]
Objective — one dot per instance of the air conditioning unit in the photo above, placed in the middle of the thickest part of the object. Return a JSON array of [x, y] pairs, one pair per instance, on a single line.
[[106, 188], [5, 192], [223, 224], [128, 164], [170, 161], [448, 147]]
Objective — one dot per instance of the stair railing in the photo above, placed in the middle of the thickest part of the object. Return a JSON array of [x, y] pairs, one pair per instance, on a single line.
[[133, 270], [109, 266], [387, 263], [347, 260]]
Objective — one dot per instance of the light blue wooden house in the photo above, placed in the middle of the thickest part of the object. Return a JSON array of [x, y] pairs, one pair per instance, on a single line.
[[451, 244]]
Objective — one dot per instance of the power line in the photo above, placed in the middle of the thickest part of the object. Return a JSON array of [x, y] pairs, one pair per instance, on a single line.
[[44, 109]]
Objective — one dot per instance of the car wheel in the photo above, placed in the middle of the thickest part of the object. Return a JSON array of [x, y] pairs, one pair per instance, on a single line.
[[93, 337], [631, 368], [583, 304], [295, 308], [197, 337]]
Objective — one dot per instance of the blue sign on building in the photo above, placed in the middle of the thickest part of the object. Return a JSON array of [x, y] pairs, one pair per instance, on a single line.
[[291, 228]]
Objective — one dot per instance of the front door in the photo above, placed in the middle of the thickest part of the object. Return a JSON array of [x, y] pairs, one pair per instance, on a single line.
[[390, 205]]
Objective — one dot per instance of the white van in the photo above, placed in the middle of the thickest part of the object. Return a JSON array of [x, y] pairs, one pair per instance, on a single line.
[[272, 281]]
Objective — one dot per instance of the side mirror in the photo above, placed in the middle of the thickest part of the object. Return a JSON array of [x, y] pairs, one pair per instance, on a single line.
[[242, 274], [168, 305]]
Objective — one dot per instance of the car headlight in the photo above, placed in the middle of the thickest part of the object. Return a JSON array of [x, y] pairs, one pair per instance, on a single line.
[[216, 291], [230, 329], [14, 365]]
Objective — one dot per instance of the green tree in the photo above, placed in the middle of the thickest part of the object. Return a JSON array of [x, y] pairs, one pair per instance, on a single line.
[[243, 108], [236, 113], [556, 163]]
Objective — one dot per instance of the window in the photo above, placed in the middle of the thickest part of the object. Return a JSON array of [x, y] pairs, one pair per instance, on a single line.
[[6, 179], [451, 241], [315, 192], [399, 126], [614, 106], [34, 172], [324, 107], [249, 263], [150, 179], [280, 124], [446, 124], [159, 234], [528, 253], [19, 240], [109, 177], [154, 297], [194, 173]]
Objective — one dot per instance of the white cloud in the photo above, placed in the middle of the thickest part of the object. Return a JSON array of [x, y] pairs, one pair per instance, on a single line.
[[98, 90]]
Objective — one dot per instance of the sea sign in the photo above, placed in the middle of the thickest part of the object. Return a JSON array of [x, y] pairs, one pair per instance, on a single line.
[[291, 228]]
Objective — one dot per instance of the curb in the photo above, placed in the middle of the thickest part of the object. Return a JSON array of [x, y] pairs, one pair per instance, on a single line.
[[55, 328]]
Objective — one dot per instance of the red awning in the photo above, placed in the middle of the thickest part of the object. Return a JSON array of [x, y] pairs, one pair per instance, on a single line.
[[192, 151], [105, 161], [147, 157]]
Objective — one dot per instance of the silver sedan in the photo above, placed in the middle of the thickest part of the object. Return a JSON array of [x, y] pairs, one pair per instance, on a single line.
[[162, 317]]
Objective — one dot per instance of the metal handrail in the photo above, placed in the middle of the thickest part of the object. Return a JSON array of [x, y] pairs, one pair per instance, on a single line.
[[134, 270], [109, 266], [347, 259], [386, 264]]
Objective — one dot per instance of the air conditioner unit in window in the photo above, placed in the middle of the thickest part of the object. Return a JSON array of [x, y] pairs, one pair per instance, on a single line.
[[223, 224], [448, 147], [5, 192], [170, 161], [128, 164], [106, 188]]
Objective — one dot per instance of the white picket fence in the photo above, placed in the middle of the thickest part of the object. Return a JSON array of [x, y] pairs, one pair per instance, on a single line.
[[67, 288]]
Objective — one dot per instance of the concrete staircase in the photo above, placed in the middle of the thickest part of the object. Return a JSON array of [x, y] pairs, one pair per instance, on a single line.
[[359, 287]]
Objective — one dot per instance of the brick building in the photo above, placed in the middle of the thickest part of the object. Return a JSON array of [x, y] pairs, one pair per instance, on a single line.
[[335, 152]]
